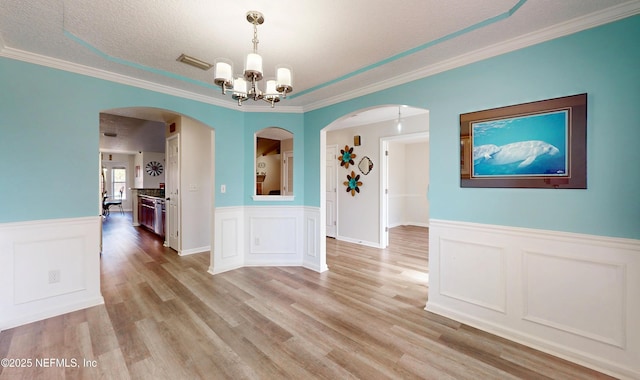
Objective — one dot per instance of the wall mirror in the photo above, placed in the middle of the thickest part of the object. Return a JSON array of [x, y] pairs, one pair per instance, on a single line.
[[273, 164]]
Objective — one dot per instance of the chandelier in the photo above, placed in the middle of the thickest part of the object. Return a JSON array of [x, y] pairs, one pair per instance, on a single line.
[[246, 86]]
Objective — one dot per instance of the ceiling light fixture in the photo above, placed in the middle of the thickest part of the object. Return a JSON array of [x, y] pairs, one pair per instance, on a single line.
[[399, 121], [223, 73]]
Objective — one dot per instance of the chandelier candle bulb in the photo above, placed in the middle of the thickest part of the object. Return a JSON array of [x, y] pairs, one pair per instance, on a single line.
[[223, 75], [223, 72], [271, 94], [239, 86], [284, 81], [271, 89], [253, 66], [284, 76]]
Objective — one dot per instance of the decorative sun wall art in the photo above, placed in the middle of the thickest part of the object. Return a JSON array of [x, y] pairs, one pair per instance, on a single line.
[[352, 183], [346, 157]]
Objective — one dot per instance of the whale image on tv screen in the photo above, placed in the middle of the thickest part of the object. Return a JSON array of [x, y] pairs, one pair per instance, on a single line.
[[532, 145]]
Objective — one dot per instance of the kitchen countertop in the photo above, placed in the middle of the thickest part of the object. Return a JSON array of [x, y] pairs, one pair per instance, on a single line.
[[151, 197]]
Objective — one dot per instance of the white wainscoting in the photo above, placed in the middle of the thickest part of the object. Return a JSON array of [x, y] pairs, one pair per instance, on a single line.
[[48, 268], [313, 242], [228, 248], [266, 236], [275, 235], [572, 295]]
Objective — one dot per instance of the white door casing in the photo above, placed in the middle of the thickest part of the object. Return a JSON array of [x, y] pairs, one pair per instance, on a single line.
[[331, 191], [173, 193]]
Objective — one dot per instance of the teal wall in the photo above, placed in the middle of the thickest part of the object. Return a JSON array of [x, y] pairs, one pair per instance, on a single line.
[[603, 62], [49, 135], [49, 140]]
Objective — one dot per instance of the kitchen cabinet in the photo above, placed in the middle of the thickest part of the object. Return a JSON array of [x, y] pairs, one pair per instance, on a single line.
[[151, 214]]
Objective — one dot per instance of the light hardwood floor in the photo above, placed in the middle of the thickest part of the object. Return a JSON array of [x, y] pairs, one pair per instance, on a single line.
[[165, 318]]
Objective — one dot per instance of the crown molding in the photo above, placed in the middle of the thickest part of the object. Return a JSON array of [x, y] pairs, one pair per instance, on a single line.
[[592, 20], [59, 64], [579, 24]]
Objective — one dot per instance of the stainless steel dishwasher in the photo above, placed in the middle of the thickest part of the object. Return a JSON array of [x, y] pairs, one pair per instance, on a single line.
[[157, 216]]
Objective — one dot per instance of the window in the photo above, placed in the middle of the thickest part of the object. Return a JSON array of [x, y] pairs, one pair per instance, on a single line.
[[119, 182]]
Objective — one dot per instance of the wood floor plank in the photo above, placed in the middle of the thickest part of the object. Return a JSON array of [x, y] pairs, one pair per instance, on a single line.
[[165, 317]]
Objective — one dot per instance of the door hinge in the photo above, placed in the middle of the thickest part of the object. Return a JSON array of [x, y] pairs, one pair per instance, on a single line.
[[386, 229], [386, 152]]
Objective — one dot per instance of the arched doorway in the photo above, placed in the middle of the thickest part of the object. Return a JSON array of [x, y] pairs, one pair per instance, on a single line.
[[363, 223], [186, 186]]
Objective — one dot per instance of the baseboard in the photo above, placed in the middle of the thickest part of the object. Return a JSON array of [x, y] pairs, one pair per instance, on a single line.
[[357, 241], [191, 251], [50, 313], [217, 270], [546, 346], [314, 267], [417, 224]]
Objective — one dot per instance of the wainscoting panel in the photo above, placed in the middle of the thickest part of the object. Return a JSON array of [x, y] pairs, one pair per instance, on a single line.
[[598, 307], [228, 251], [55, 267], [48, 268], [229, 227], [313, 243], [267, 236], [572, 295], [476, 273], [275, 235]]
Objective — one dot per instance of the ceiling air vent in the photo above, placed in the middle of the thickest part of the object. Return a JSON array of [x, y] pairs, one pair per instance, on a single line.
[[195, 62]]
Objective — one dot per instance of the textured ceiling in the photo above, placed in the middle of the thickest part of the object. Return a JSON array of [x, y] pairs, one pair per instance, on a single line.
[[337, 49], [130, 135]]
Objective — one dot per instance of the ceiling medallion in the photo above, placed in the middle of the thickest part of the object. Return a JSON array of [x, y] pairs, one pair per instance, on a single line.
[[246, 86]]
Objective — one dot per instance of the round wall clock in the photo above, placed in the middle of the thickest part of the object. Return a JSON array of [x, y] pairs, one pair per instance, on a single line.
[[154, 168]]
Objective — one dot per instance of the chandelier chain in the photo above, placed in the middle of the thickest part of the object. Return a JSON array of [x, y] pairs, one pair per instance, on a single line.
[[255, 38]]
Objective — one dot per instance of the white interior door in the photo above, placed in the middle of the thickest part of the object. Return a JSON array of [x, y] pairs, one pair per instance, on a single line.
[[173, 193], [331, 190]]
